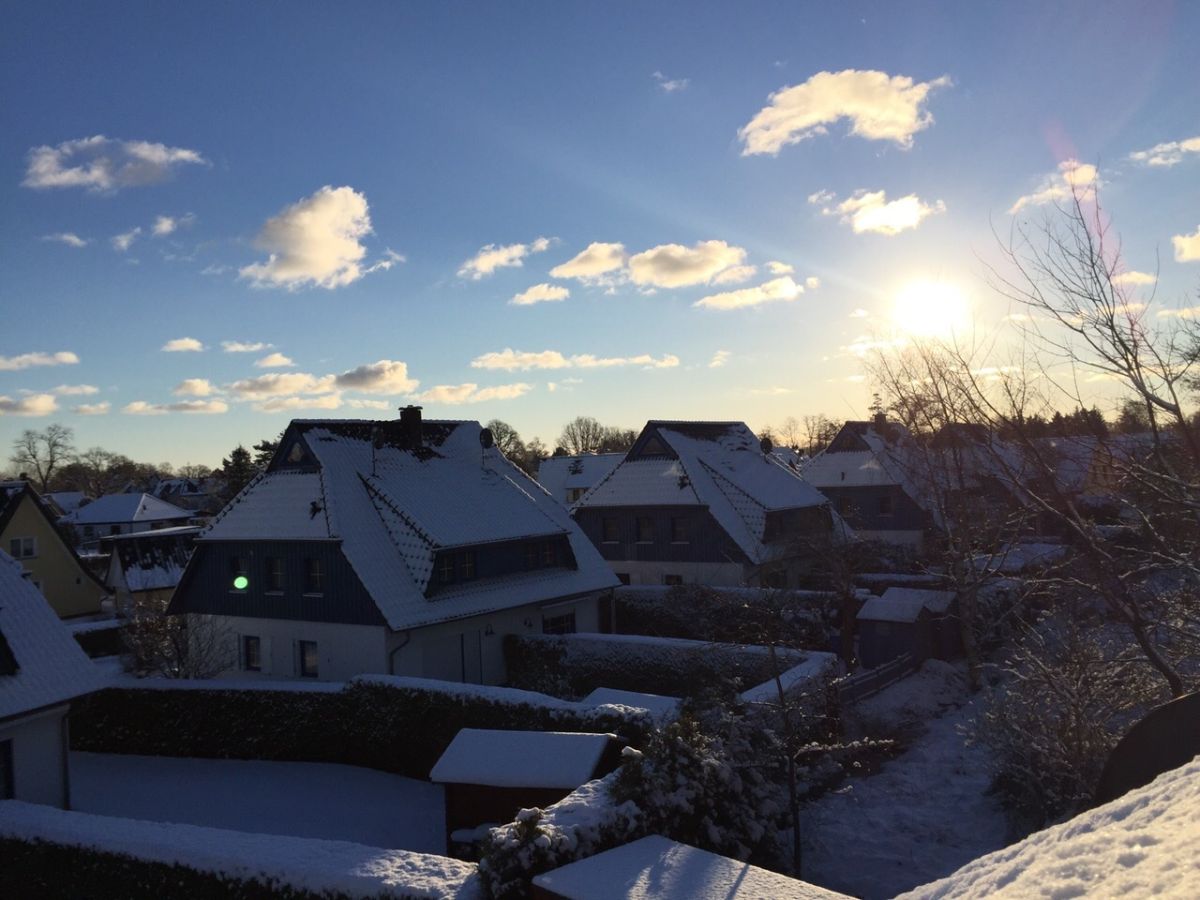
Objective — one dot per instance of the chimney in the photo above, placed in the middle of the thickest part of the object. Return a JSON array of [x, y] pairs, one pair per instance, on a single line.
[[880, 420], [410, 426]]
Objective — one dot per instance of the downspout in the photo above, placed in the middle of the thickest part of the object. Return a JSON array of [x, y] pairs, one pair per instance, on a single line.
[[392, 655]]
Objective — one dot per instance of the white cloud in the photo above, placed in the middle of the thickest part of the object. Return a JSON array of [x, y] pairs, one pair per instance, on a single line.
[[164, 225], [75, 390], [274, 361], [780, 268], [279, 384], [215, 269], [872, 212], [93, 409], [284, 404], [390, 258], [1189, 312], [66, 237], [142, 408], [736, 275], [28, 360], [243, 347], [455, 394], [1166, 155], [492, 257], [510, 360], [598, 260], [812, 282], [197, 407], [1187, 246], [1134, 278], [193, 387], [122, 242], [182, 345], [670, 85], [540, 293], [368, 404], [315, 241], [673, 265], [719, 359], [777, 290], [1073, 178], [880, 107], [102, 165], [383, 377], [31, 405]]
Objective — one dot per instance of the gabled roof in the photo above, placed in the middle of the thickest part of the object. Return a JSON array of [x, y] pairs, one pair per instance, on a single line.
[[937, 602], [50, 666], [67, 501], [11, 494], [896, 609], [393, 507], [558, 474], [120, 508], [149, 560], [718, 465]]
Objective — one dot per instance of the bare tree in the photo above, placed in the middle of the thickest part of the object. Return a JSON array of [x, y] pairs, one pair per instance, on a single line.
[[819, 430], [507, 439], [173, 646], [582, 434], [790, 432], [42, 452]]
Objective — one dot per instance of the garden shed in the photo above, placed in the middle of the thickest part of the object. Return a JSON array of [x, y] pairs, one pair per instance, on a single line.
[[892, 627], [945, 631], [490, 775]]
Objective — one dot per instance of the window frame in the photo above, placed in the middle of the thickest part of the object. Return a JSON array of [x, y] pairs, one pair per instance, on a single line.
[[562, 623], [314, 577], [302, 668], [679, 526], [276, 579], [21, 543], [648, 521], [248, 641], [610, 530], [468, 570]]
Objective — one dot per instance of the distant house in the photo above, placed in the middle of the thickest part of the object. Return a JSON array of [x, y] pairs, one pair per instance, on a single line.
[[489, 776], [704, 503], [402, 547], [568, 478], [186, 493], [916, 621], [124, 514], [145, 567], [29, 534], [41, 670], [64, 502]]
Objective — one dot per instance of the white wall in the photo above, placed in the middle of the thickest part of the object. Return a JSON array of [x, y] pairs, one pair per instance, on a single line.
[[39, 757], [343, 650], [715, 574]]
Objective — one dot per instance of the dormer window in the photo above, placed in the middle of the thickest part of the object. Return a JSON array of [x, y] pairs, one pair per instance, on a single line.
[[446, 569]]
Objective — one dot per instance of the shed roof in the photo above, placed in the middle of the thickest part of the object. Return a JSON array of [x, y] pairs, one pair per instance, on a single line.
[[662, 869], [936, 602], [879, 609], [532, 759]]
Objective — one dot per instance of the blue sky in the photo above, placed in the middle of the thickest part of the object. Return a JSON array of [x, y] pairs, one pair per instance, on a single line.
[[897, 139]]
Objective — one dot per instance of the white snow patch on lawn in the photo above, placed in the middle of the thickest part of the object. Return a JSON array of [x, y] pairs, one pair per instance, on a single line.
[[315, 800], [923, 814]]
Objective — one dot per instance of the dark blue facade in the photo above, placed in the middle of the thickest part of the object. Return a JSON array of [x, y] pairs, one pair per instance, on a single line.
[[706, 541]]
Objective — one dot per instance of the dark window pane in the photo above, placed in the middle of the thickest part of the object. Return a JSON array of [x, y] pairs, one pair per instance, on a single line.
[[548, 554], [645, 529], [274, 573], [563, 624], [672, 579], [446, 568], [308, 659], [314, 576], [466, 565], [679, 530], [251, 654], [610, 533]]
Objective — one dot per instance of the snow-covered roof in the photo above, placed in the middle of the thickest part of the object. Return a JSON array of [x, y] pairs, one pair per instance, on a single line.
[[67, 501], [559, 474], [1144, 844], [114, 508], [936, 602], [655, 868], [393, 508], [50, 666], [533, 759], [150, 560], [852, 468], [656, 704], [902, 609], [718, 465]]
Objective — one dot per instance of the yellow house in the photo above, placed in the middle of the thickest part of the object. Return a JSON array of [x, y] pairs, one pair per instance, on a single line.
[[28, 534]]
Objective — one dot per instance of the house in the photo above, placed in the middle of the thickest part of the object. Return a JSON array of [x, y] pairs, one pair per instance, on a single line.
[[662, 869], [568, 478], [866, 473], [145, 567], [704, 503], [489, 775], [402, 547], [186, 493], [124, 514], [41, 670], [29, 534], [63, 502]]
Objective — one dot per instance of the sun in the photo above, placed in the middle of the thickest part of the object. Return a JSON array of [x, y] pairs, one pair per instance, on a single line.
[[931, 309]]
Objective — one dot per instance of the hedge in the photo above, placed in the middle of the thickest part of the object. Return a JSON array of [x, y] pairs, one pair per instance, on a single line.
[[392, 724]]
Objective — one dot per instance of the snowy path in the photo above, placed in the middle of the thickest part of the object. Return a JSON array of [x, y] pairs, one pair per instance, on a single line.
[[923, 815], [318, 800]]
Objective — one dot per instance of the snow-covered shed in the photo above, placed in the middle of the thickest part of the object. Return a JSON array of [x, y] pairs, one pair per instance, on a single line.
[[945, 629], [401, 547], [655, 868], [490, 775], [704, 503], [894, 624], [660, 707], [42, 669], [568, 478]]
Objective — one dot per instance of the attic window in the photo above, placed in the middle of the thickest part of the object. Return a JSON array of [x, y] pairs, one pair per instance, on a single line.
[[8, 662], [296, 454], [654, 447]]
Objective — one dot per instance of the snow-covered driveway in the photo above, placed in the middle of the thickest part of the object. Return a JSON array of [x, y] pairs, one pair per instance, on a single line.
[[294, 798]]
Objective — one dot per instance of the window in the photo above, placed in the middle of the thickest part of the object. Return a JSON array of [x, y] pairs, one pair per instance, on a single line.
[[548, 554], [531, 556], [672, 579], [251, 653], [885, 504], [623, 577], [679, 530], [844, 506], [645, 530], [446, 568], [6, 770], [560, 624], [466, 565], [239, 570], [114, 529], [307, 658], [275, 574], [574, 494], [610, 533], [23, 547], [314, 576], [89, 531]]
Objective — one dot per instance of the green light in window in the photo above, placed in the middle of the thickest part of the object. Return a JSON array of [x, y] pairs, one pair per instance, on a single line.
[[241, 582]]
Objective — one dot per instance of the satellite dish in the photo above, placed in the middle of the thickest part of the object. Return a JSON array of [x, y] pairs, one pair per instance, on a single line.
[[486, 439], [766, 445]]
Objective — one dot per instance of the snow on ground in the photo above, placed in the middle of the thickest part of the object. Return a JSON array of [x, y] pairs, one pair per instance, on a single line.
[[315, 800], [924, 813], [1145, 844]]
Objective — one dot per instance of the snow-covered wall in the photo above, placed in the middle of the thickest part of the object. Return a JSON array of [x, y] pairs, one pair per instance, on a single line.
[[39, 765]]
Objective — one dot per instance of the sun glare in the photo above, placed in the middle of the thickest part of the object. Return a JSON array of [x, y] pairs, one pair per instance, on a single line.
[[931, 309]]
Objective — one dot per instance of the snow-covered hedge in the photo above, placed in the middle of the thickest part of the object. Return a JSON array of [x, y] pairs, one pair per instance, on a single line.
[[394, 724], [576, 664], [53, 853]]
